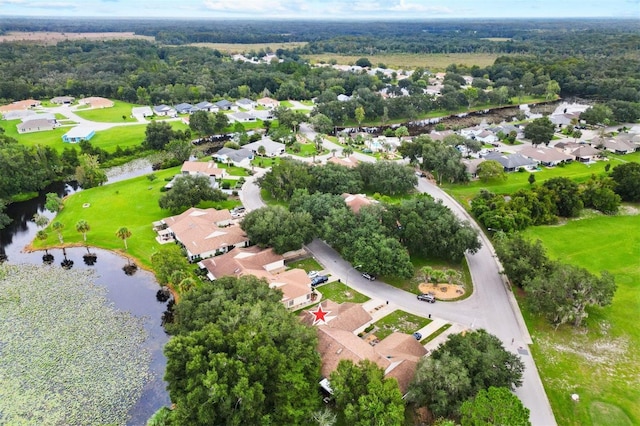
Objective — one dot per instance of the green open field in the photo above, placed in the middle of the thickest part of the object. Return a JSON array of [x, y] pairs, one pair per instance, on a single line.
[[110, 207], [110, 115], [576, 171], [109, 139], [432, 62], [601, 363]]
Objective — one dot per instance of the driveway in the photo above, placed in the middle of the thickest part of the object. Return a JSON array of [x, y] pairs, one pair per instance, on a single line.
[[492, 305]]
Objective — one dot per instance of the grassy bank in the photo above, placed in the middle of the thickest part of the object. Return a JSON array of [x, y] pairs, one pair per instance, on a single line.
[[433, 62], [599, 362], [110, 115]]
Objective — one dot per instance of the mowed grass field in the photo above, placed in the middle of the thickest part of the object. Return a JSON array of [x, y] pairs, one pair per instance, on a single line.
[[433, 62], [576, 171], [123, 136], [110, 115], [601, 362], [110, 207]]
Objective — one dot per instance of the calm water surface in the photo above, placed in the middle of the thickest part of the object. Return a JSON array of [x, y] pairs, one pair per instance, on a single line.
[[134, 294]]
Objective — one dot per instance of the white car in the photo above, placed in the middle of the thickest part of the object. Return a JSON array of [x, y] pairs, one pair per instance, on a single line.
[[313, 274]]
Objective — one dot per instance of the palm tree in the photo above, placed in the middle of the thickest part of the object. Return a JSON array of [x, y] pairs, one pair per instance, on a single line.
[[58, 227], [427, 271], [83, 227], [124, 233], [347, 151], [186, 285]]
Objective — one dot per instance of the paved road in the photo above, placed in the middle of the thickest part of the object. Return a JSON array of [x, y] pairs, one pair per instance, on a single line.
[[491, 306]]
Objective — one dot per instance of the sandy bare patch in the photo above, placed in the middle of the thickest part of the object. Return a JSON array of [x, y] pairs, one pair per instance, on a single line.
[[442, 291], [50, 37]]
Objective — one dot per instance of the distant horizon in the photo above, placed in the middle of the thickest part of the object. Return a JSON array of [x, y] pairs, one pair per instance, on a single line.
[[322, 10]]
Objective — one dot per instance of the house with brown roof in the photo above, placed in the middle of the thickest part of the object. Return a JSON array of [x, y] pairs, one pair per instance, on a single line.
[[398, 354], [294, 284], [204, 169], [96, 102], [585, 153], [268, 102], [350, 161], [546, 156], [356, 201], [19, 105], [203, 233]]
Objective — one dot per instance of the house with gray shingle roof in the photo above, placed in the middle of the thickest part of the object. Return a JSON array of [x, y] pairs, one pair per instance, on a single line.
[[511, 162]]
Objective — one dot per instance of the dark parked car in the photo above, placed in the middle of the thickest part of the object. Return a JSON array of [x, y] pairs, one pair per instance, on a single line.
[[427, 298], [368, 276], [417, 335], [320, 279]]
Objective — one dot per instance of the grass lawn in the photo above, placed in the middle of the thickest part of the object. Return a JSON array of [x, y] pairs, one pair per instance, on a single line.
[[399, 321], [232, 170], [306, 150], [308, 264], [111, 207], [108, 140], [435, 334], [578, 172], [110, 115], [286, 104], [601, 362], [340, 293], [265, 162]]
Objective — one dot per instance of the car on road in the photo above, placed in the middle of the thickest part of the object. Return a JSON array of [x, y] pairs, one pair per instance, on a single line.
[[368, 276], [320, 279], [430, 298], [417, 335]]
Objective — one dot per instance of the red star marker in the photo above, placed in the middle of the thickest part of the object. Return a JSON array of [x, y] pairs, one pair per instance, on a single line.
[[319, 315]]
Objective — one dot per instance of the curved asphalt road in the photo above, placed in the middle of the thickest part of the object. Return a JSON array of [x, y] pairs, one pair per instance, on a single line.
[[492, 306]]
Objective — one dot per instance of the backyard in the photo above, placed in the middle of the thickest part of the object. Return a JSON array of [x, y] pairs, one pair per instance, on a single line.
[[108, 208], [599, 362], [114, 114]]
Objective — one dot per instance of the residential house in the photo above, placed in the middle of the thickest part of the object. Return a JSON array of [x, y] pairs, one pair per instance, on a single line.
[[618, 146], [272, 148], [63, 100], [487, 137], [397, 354], [20, 105], [205, 106], [268, 103], [184, 108], [294, 284], [238, 157], [564, 119], [245, 103], [350, 161], [208, 169], [546, 156], [263, 114], [356, 201], [37, 124], [97, 102], [164, 111], [585, 153], [630, 138], [471, 166], [224, 105], [203, 233], [78, 134], [511, 162], [242, 117], [141, 112], [19, 114], [439, 136]]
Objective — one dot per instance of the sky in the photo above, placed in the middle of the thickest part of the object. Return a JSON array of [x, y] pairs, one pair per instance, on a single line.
[[324, 9]]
